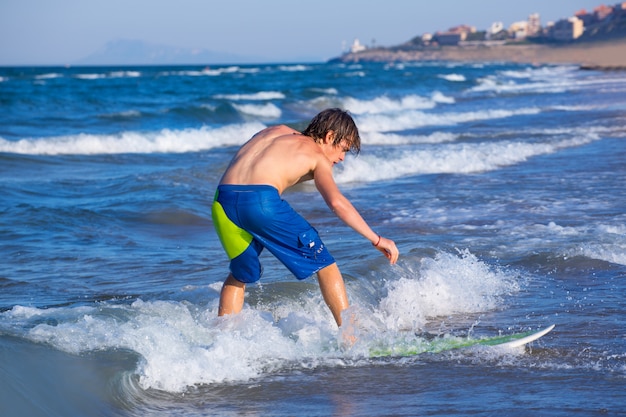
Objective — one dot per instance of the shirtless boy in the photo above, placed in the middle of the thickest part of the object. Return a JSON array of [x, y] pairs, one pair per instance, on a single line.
[[249, 214]]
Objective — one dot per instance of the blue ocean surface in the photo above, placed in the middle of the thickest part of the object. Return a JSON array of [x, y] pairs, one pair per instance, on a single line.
[[502, 185]]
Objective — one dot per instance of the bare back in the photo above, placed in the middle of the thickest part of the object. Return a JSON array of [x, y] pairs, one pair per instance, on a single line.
[[278, 156]]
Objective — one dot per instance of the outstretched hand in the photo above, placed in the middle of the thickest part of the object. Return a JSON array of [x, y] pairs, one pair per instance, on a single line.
[[389, 249]]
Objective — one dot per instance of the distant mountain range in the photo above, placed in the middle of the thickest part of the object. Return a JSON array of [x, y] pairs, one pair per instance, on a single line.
[[136, 52]]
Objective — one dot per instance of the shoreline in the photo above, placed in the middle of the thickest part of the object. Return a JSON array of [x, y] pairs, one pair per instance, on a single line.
[[609, 55]]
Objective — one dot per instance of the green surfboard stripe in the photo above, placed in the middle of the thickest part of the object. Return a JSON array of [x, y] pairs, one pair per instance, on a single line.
[[441, 344], [234, 239]]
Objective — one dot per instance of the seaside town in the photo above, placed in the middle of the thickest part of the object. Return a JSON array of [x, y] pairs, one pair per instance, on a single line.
[[602, 23]]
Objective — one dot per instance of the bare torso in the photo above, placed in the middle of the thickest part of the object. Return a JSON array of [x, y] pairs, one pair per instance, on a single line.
[[278, 156]]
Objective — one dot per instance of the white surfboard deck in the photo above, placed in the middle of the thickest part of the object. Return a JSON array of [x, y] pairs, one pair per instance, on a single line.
[[527, 339], [449, 343]]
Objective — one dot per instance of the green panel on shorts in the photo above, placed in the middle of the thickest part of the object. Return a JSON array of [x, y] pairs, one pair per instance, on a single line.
[[234, 239]]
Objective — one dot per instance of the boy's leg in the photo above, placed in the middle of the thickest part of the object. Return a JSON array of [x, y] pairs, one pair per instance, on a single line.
[[231, 297], [333, 290]]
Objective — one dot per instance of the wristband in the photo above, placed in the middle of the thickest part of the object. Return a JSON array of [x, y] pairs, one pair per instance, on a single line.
[[376, 244]]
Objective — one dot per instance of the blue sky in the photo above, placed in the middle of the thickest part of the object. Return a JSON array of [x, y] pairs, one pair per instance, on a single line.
[[58, 32]]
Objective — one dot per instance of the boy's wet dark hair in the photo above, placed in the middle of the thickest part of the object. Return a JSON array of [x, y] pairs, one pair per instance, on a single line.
[[340, 122]]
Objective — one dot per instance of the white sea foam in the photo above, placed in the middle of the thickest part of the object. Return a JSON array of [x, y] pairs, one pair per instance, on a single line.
[[196, 73], [509, 86], [248, 70], [543, 72], [386, 104], [355, 74], [379, 138], [90, 76], [330, 91], [164, 141], [182, 345], [449, 158], [542, 80], [211, 72], [609, 252], [293, 68], [439, 97], [48, 76], [453, 77], [605, 242], [414, 119], [179, 346], [267, 111], [613, 229], [261, 95], [124, 114], [125, 74], [445, 285]]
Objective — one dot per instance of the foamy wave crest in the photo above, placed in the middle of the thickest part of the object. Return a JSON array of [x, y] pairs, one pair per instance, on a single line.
[[261, 95], [453, 77], [90, 76], [210, 72], [182, 345], [379, 138], [531, 80], [608, 252], [165, 141], [387, 105], [451, 158], [329, 91], [439, 97], [125, 74], [606, 243], [268, 111], [445, 285], [124, 114], [97, 76], [414, 119], [179, 347], [492, 84], [293, 68], [354, 74], [543, 73], [48, 76]]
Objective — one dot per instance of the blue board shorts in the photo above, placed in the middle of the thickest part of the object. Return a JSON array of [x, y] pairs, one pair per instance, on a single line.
[[248, 218]]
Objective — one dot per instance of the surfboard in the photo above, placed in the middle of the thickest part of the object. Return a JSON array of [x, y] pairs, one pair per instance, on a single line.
[[416, 347]]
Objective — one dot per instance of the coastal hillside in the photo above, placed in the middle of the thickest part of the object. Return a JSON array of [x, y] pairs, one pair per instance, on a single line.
[[591, 39], [601, 55]]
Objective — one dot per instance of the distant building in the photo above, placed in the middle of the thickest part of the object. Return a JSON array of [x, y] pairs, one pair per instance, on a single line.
[[567, 29], [518, 30], [496, 27], [587, 18], [462, 29], [534, 25], [450, 38], [602, 12], [454, 35], [523, 29], [357, 46]]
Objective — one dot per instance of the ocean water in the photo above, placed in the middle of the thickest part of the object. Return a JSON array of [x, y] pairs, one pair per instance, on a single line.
[[502, 185]]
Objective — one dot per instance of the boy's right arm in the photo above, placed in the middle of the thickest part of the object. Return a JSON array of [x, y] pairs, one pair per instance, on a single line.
[[344, 209]]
